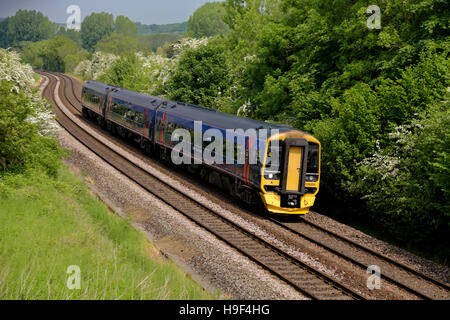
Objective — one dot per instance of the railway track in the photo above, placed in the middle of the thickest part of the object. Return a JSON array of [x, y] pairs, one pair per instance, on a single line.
[[309, 281], [397, 273]]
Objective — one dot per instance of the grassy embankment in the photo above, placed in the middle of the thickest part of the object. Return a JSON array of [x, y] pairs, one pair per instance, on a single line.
[[48, 224]]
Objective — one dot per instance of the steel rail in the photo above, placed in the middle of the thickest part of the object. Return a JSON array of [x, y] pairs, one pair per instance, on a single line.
[[307, 280]]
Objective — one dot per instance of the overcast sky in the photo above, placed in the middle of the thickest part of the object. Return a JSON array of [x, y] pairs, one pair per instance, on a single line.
[[145, 11]]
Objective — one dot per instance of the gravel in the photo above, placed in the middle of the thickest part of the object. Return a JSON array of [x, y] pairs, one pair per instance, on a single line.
[[211, 262], [200, 253]]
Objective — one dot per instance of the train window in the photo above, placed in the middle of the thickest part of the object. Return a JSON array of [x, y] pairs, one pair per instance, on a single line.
[[169, 129], [93, 99], [130, 114], [272, 170], [139, 117], [123, 110], [237, 151], [313, 158]]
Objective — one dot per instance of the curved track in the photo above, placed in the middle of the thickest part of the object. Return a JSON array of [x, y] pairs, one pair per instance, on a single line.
[[309, 281], [397, 273]]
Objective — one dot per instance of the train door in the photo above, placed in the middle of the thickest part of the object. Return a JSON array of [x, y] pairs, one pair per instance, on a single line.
[[294, 166], [146, 129], [106, 103]]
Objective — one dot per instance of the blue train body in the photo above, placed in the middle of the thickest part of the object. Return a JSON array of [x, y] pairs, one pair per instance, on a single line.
[[151, 121]]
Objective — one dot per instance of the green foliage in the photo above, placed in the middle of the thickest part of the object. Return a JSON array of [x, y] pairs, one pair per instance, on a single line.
[[71, 34], [152, 42], [48, 224], [95, 66], [176, 28], [25, 25], [412, 175], [117, 44], [134, 71], [125, 26], [59, 54], [95, 27], [200, 76], [315, 65], [207, 21], [4, 43], [21, 145], [124, 72]]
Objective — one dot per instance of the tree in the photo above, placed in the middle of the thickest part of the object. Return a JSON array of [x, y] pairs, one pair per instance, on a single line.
[[151, 42], [125, 26], [117, 44], [207, 21], [124, 71], [24, 120], [3, 33], [26, 25], [201, 75], [71, 34], [96, 27], [59, 54], [177, 28]]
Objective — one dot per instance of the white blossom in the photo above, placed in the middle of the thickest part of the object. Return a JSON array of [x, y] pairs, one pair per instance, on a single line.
[[386, 164], [20, 75], [14, 71], [94, 68], [188, 43], [43, 116], [245, 108]]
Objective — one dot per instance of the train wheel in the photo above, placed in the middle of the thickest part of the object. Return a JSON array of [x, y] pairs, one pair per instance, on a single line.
[[85, 113], [113, 130], [204, 174], [148, 148]]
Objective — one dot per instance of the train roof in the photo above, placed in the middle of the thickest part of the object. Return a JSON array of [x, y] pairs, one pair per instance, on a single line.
[[220, 119], [97, 86], [209, 116], [137, 98]]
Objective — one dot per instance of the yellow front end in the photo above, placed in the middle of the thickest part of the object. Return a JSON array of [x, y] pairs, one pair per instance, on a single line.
[[272, 203], [272, 200]]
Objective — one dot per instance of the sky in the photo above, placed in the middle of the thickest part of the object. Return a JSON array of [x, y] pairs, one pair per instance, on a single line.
[[145, 11]]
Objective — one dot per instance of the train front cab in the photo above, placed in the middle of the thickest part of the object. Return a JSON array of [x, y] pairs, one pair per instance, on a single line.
[[291, 186]]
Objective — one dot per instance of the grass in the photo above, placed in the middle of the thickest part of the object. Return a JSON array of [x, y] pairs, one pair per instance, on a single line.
[[48, 224], [78, 77]]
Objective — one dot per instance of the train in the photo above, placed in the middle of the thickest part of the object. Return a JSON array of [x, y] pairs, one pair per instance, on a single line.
[[270, 165]]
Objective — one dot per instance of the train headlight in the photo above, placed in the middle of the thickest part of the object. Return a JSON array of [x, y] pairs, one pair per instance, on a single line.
[[312, 177], [272, 175]]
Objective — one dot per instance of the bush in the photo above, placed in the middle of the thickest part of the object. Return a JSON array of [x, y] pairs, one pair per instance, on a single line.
[[13, 71], [407, 184], [21, 144], [134, 71], [200, 76], [93, 68], [59, 54], [25, 121]]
